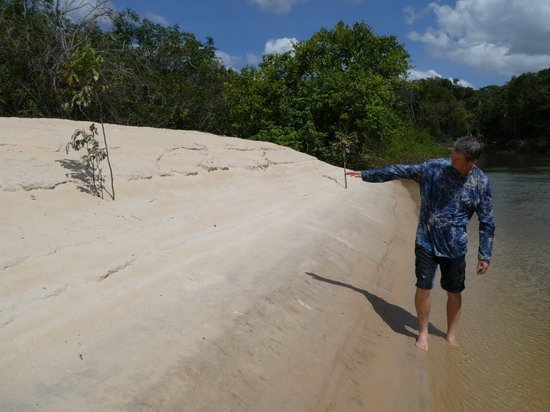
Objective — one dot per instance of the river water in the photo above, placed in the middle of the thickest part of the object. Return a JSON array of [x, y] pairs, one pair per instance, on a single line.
[[503, 362]]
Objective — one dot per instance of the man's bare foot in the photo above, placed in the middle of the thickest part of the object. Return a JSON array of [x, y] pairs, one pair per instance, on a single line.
[[422, 341], [452, 340]]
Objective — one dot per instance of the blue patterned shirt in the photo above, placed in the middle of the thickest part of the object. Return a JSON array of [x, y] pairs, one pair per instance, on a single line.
[[448, 201]]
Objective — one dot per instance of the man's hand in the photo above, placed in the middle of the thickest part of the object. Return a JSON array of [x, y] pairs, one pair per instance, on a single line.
[[354, 174], [482, 267]]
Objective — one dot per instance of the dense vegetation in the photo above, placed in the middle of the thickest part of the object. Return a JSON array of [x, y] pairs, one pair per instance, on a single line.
[[343, 87]]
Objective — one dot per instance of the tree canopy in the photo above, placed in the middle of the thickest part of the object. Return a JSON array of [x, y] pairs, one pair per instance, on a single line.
[[345, 83], [342, 82]]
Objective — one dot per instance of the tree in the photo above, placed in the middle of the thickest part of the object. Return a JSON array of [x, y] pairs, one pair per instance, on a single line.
[[82, 74], [442, 107], [36, 38], [492, 114], [163, 77], [528, 106], [342, 81], [516, 116]]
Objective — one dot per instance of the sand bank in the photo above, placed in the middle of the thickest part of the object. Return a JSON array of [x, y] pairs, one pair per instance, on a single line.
[[227, 275]]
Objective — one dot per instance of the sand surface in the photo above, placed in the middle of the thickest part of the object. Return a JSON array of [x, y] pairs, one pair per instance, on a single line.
[[227, 275]]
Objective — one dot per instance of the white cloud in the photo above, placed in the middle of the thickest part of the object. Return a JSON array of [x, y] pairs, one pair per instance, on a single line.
[[155, 18], [412, 15], [252, 59], [273, 46], [236, 62], [506, 36], [277, 6], [278, 46], [227, 59], [419, 74]]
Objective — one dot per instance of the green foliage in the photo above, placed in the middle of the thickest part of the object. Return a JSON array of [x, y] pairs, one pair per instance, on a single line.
[[25, 67], [339, 82], [344, 81], [440, 106], [491, 113], [528, 106], [515, 116], [81, 139], [81, 73], [409, 144], [162, 77]]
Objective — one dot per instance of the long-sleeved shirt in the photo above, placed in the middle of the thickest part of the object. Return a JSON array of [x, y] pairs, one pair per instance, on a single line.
[[448, 201]]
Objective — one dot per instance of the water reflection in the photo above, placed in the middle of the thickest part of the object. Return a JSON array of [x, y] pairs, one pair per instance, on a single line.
[[515, 162]]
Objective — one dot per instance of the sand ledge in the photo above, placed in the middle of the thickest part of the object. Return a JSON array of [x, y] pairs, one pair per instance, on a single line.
[[206, 283]]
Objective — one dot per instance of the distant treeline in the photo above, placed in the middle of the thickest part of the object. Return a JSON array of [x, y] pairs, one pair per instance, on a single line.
[[344, 88]]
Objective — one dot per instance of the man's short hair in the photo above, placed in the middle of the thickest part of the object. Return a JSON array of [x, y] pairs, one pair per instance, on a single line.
[[469, 146]]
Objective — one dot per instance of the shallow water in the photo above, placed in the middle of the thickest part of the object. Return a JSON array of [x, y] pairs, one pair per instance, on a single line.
[[503, 362]]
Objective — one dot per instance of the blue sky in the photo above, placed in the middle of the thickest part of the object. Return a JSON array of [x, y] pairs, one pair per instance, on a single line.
[[480, 42]]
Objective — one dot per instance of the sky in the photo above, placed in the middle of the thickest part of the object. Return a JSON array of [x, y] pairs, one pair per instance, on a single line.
[[479, 42]]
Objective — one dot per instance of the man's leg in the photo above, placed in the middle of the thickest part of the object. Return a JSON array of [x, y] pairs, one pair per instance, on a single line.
[[423, 304], [454, 303], [453, 275], [425, 267]]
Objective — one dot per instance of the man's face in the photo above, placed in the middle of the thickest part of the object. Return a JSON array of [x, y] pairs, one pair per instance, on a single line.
[[460, 163]]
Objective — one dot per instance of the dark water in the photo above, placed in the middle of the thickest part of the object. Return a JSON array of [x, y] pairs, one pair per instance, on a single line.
[[503, 362]]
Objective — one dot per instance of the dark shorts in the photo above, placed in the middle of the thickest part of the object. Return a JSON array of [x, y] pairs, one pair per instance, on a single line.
[[453, 271]]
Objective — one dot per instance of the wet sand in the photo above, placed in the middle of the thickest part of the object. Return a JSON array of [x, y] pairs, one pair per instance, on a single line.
[[228, 274]]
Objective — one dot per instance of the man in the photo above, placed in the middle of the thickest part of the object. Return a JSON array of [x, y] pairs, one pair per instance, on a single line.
[[451, 191]]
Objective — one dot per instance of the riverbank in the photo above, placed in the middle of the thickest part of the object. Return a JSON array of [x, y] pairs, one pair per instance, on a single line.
[[228, 273]]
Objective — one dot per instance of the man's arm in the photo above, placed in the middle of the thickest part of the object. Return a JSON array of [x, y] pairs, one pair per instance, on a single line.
[[390, 173], [486, 219]]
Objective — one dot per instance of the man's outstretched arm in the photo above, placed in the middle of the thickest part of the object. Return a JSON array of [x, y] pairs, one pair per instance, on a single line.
[[353, 173], [389, 173]]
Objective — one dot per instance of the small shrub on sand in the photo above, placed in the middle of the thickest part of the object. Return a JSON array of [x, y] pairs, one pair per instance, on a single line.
[[81, 139]]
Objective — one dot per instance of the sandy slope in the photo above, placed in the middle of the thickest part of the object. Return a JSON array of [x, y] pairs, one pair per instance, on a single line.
[[227, 275]]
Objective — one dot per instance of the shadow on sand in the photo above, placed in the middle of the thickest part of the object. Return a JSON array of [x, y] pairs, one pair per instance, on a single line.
[[78, 171], [397, 318]]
